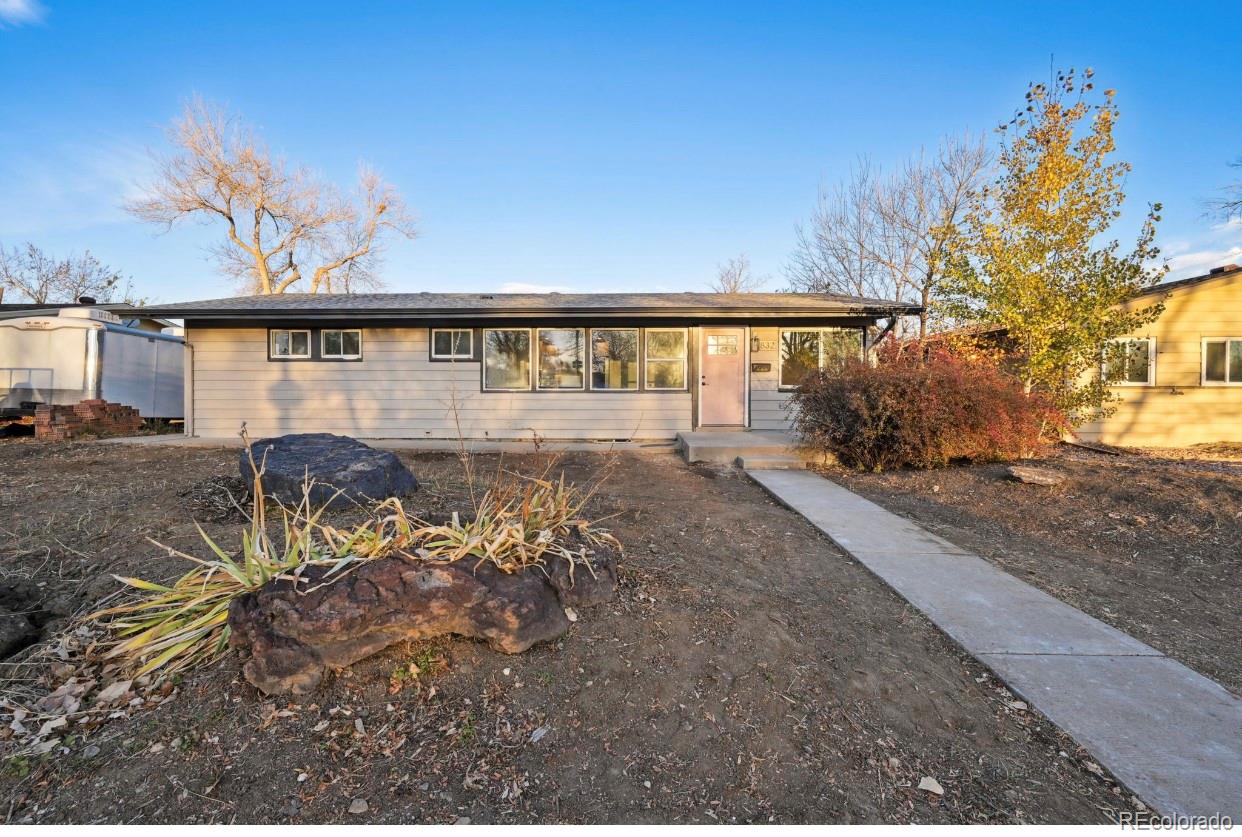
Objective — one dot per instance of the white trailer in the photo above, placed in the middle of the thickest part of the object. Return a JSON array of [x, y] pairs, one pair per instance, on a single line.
[[86, 353]]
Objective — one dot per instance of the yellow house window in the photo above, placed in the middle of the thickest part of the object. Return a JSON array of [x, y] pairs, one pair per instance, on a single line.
[[1222, 361], [1130, 362]]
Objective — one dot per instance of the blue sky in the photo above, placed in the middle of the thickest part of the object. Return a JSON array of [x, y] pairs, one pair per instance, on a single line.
[[586, 146]]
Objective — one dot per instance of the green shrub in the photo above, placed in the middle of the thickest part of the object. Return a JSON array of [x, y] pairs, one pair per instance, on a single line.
[[922, 407]]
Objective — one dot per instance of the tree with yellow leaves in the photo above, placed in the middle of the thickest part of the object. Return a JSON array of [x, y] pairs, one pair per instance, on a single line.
[[1035, 260]]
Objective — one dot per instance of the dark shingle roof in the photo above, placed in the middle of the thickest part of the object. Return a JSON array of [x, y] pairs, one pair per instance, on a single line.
[[1215, 273], [490, 306]]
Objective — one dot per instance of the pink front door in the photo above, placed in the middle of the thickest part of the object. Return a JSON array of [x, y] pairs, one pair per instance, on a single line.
[[722, 381]]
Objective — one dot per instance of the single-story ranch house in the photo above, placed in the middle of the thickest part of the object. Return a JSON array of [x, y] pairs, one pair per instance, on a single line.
[[510, 366]]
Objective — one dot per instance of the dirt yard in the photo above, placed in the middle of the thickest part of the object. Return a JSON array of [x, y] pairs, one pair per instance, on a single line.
[[747, 672], [1149, 542]]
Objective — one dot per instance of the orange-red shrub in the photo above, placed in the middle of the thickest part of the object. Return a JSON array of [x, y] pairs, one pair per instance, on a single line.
[[922, 407]]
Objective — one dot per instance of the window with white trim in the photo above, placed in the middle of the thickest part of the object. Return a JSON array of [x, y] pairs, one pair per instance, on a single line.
[[340, 344], [1130, 362], [289, 344], [666, 358], [506, 359], [562, 358], [805, 350], [614, 358], [1222, 361], [452, 344]]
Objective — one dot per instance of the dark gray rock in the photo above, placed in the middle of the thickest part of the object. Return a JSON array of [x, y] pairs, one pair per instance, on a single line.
[[16, 632], [335, 463]]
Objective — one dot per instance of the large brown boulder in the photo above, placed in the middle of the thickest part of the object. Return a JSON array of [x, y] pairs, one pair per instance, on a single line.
[[292, 638]]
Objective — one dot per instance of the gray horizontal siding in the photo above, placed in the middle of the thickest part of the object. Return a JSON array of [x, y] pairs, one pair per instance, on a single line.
[[397, 392], [767, 403]]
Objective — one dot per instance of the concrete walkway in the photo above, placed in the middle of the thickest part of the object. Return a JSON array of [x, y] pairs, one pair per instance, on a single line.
[[1173, 736]]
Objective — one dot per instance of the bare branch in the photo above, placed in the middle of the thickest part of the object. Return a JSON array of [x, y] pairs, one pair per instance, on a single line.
[[890, 237], [1230, 206], [735, 277], [275, 217], [30, 275]]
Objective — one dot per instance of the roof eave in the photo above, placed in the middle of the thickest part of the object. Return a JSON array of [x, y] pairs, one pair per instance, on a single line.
[[497, 314]]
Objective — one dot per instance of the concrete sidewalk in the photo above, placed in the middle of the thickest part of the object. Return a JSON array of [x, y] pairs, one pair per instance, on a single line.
[[1173, 736]]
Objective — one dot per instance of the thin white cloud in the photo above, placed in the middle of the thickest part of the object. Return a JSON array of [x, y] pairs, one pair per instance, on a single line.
[[529, 288], [1219, 245], [21, 12], [69, 187], [1201, 261]]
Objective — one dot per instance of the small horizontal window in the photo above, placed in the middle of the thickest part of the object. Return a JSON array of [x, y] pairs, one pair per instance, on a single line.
[[1222, 361], [1130, 362], [452, 344], [341, 344], [506, 359], [666, 358], [287, 343]]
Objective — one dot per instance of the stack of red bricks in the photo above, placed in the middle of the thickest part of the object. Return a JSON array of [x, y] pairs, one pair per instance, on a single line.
[[94, 417]]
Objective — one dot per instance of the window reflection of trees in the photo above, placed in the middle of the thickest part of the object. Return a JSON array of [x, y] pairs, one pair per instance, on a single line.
[[507, 359], [614, 358], [805, 350], [560, 358]]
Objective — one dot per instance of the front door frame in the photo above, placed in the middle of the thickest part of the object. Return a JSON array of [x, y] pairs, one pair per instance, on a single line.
[[701, 340]]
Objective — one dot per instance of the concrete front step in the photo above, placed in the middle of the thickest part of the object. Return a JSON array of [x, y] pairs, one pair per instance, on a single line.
[[769, 462], [719, 447]]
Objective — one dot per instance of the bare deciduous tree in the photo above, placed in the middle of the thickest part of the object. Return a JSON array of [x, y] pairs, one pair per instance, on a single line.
[[890, 237], [735, 277], [1230, 206], [287, 231], [834, 254], [30, 275]]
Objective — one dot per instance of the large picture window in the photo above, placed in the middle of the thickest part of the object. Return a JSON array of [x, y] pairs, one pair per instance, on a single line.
[[1130, 362], [1222, 361], [614, 358], [562, 358], [341, 344], [666, 358], [289, 344], [804, 350], [506, 359]]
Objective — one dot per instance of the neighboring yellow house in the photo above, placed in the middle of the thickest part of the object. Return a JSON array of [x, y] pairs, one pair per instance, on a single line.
[[1180, 377]]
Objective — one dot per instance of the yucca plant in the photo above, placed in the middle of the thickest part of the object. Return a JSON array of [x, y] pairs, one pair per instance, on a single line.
[[518, 521], [184, 624], [174, 627]]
